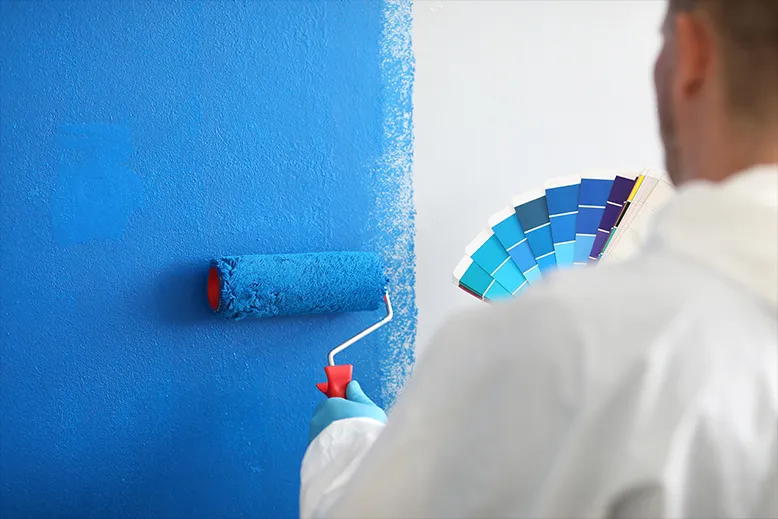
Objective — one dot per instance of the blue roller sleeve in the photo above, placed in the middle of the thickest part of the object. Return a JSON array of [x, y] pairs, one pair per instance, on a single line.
[[290, 284]]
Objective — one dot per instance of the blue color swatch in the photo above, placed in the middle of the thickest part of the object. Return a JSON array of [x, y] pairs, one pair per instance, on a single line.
[[478, 281], [508, 230], [533, 217], [592, 198], [562, 204], [493, 258]]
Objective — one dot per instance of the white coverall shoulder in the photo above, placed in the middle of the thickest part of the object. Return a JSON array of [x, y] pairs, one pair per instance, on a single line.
[[648, 388]]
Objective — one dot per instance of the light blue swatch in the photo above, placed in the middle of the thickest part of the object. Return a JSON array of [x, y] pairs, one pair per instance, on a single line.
[[493, 258], [510, 234], [477, 280]]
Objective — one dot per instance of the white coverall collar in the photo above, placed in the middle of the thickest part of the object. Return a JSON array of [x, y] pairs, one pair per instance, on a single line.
[[730, 227]]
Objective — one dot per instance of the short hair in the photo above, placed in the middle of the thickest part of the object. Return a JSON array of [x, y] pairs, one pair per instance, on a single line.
[[749, 34]]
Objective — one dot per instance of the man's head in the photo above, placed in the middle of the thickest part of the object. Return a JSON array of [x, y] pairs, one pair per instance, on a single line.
[[717, 87]]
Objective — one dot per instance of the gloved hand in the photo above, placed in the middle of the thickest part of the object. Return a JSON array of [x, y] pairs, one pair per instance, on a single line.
[[355, 405]]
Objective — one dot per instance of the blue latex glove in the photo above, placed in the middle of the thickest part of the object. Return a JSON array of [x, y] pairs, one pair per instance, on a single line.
[[355, 405]]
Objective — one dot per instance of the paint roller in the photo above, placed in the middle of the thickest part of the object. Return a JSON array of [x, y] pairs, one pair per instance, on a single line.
[[258, 286]]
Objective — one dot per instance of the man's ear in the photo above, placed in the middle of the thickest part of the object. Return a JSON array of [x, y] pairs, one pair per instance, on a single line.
[[694, 52]]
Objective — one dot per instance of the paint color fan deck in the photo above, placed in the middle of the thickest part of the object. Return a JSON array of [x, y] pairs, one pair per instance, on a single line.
[[600, 216]]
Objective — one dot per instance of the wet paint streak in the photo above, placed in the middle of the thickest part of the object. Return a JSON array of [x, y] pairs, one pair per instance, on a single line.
[[394, 213]]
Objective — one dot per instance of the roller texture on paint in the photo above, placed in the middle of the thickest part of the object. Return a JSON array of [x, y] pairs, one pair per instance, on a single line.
[[139, 141], [291, 284]]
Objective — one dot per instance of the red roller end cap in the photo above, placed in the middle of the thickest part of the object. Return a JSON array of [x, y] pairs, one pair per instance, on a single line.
[[214, 290], [338, 378]]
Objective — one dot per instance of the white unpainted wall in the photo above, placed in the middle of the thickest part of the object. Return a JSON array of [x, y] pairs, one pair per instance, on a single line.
[[509, 94]]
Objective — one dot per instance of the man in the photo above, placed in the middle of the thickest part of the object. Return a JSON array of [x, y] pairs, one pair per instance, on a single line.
[[644, 389]]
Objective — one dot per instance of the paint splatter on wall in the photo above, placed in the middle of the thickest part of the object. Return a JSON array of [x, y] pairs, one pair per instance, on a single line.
[[137, 141]]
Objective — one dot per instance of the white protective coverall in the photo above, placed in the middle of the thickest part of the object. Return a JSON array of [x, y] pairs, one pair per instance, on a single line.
[[647, 388]]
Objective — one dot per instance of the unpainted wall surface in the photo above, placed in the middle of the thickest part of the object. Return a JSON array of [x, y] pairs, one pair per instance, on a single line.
[[509, 94]]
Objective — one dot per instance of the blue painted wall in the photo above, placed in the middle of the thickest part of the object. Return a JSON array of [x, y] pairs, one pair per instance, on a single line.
[[139, 140]]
